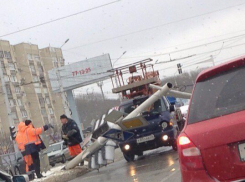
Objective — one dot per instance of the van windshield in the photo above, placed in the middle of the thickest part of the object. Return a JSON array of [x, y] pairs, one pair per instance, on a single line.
[[156, 108], [217, 96]]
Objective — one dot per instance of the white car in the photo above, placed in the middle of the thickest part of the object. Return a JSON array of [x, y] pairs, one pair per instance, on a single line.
[[58, 152]]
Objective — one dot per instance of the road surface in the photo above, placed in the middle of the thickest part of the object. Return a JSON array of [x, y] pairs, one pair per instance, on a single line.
[[159, 165]]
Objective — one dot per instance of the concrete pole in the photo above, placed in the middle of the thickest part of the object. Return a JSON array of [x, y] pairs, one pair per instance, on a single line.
[[100, 84], [65, 105], [73, 108], [174, 93]]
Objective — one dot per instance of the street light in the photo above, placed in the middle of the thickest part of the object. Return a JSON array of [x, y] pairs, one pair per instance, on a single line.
[[65, 43], [118, 58]]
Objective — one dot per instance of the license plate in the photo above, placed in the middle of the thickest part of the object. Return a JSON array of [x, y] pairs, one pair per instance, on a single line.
[[241, 149], [146, 138]]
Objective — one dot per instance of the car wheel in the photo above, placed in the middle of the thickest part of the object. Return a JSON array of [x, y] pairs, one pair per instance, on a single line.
[[174, 145], [63, 159], [52, 165], [129, 157], [17, 171]]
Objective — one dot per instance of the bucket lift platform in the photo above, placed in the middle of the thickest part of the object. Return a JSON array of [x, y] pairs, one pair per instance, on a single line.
[[140, 75]]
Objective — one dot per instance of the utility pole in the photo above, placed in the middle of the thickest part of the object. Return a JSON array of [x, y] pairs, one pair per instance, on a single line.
[[119, 95], [100, 84], [61, 88]]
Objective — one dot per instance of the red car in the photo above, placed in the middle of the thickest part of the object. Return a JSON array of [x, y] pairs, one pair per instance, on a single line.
[[212, 144]]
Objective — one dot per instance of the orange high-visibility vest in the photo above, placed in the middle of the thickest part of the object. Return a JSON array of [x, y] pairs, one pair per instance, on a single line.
[[21, 137], [32, 134]]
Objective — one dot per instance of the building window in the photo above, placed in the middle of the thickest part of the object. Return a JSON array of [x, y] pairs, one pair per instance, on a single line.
[[55, 62], [38, 90], [36, 58], [11, 102], [43, 111], [45, 90], [7, 55], [29, 56], [47, 100], [11, 66], [13, 78], [17, 90], [6, 78], [14, 115], [51, 111], [1, 54], [8, 90], [2, 64], [36, 85], [32, 68], [40, 69], [36, 79], [19, 102], [24, 114], [41, 101]]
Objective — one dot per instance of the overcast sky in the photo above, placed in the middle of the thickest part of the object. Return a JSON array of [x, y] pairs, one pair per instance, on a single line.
[[144, 28]]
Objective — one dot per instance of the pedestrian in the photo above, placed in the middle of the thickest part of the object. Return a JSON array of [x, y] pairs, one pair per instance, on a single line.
[[71, 135], [34, 144], [21, 141]]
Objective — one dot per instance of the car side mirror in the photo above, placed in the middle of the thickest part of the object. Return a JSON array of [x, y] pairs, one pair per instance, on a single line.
[[23, 178], [172, 108]]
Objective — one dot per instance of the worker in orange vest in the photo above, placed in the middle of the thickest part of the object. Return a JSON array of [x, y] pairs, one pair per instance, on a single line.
[[21, 141], [34, 143]]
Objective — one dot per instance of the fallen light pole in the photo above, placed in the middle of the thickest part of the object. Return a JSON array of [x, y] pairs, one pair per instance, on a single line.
[[101, 141], [173, 93]]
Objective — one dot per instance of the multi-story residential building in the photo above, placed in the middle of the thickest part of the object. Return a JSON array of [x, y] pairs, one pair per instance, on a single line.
[[28, 88]]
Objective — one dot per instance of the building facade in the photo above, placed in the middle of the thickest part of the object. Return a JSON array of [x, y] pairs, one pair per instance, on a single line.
[[28, 92]]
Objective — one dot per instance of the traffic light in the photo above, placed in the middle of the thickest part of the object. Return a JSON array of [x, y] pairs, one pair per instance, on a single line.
[[12, 132], [42, 79], [179, 68]]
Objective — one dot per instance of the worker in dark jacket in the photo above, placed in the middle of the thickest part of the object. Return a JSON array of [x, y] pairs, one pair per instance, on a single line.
[[71, 135], [34, 143]]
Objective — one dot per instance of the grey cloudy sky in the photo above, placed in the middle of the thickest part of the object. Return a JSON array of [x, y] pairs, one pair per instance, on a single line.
[[174, 29]]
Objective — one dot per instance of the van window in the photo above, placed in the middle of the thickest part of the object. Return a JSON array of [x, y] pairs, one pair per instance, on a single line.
[[217, 96]]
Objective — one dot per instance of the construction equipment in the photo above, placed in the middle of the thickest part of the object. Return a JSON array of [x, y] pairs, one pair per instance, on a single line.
[[116, 126]]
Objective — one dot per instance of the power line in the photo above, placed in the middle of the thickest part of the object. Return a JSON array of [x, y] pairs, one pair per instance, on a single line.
[[58, 19], [154, 27]]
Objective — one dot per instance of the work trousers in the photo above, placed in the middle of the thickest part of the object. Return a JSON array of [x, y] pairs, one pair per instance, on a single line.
[[36, 162]]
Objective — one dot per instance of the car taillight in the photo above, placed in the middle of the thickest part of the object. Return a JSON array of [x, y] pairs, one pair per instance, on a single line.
[[183, 140], [190, 155]]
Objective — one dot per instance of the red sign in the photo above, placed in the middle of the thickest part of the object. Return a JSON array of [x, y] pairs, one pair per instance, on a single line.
[[81, 72]]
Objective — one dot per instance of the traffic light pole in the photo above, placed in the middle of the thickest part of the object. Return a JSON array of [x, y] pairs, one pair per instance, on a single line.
[[10, 119]]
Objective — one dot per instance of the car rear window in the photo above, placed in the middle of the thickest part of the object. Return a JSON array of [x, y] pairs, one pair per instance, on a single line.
[[217, 96]]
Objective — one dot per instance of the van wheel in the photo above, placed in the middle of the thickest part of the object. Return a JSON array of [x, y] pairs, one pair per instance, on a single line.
[[63, 159], [129, 157]]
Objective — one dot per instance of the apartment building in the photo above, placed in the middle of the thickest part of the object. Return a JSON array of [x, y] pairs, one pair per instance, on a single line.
[[28, 90]]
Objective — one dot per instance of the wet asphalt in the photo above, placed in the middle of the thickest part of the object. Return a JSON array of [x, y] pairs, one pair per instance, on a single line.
[[160, 165]]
